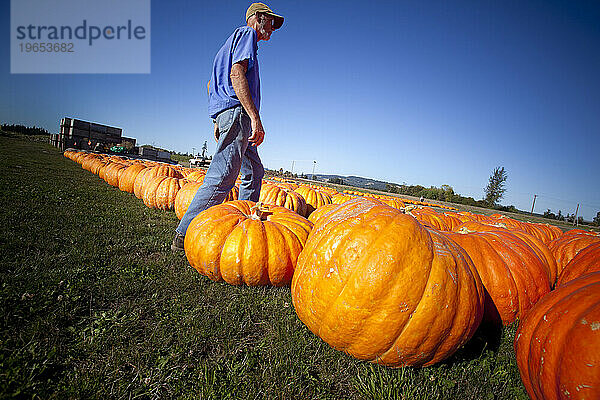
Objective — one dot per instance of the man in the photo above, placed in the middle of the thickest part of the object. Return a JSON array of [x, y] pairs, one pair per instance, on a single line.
[[234, 104]]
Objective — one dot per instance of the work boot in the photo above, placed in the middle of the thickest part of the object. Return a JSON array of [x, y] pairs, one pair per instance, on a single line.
[[177, 245]]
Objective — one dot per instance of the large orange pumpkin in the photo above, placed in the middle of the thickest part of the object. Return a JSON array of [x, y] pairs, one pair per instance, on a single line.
[[147, 174], [565, 247], [242, 242], [465, 216], [196, 176], [513, 275], [585, 262], [150, 189], [452, 221], [557, 344], [378, 285], [281, 196], [88, 162], [80, 156], [544, 232], [94, 164], [102, 169], [542, 251], [166, 193], [393, 202], [127, 180], [321, 211], [340, 198], [139, 182], [184, 197], [314, 198], [113, 171], [429, 218]]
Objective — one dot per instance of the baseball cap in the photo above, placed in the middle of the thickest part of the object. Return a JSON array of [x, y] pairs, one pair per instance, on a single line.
[[263, 8]]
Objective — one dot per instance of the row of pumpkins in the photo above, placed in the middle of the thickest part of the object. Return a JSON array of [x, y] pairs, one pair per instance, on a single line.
[[392, 283]]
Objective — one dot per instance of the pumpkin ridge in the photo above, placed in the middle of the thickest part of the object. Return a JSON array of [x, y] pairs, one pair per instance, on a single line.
[[351, 222], [527, 253], [218, 269], [459, 285], [517, 279], [536, 323], [583, 263], [425, 287], [382, 237], [243, 245], [278, 242], [569, 333], [348, 221], [215, 273], [516, 276], [459, 257], [264, 251], [221, 218], [562, 336], [291, 221], [494, 276], [225, 250], [321, 234]]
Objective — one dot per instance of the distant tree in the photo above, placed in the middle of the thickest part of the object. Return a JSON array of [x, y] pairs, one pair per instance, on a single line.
[[597, 218], [448, 193], [495, 189], [549, 214], [392, 188], [336, 181], [510, 208], [25, 130]]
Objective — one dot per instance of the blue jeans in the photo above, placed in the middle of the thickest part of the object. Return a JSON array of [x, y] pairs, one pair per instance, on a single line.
[[233, 155]]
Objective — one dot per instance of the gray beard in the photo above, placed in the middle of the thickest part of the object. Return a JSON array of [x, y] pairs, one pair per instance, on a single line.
[[262, 30]]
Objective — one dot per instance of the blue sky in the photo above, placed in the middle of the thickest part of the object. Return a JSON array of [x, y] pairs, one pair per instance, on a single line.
[[427, 92]]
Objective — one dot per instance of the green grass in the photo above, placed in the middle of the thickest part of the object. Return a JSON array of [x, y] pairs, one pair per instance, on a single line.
[[95, 305]]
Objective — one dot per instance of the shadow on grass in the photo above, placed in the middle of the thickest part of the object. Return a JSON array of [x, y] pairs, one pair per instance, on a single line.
[[487, 338]]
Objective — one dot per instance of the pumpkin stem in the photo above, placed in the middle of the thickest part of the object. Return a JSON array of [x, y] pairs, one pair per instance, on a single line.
[[408, 209], [260, 211]]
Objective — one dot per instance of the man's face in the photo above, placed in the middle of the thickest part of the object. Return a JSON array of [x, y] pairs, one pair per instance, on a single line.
[[265, 26]]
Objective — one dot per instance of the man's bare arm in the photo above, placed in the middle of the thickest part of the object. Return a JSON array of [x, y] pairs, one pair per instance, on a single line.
[[242, 91]]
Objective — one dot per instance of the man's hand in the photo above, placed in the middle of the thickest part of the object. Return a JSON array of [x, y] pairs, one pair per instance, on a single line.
[[258, 133]]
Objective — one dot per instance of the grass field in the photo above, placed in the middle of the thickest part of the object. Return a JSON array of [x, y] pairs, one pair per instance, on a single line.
[[95, 305]]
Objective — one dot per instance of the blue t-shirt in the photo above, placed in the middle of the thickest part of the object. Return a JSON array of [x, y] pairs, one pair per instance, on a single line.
[[241, 45]]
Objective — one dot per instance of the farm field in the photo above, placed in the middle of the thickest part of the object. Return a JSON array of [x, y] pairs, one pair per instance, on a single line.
[[95, 305]]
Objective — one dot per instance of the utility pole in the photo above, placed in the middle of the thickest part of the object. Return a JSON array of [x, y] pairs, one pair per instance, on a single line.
[[576, 211], [193, 152], [293, 166], [314, 165], [533, 205]]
